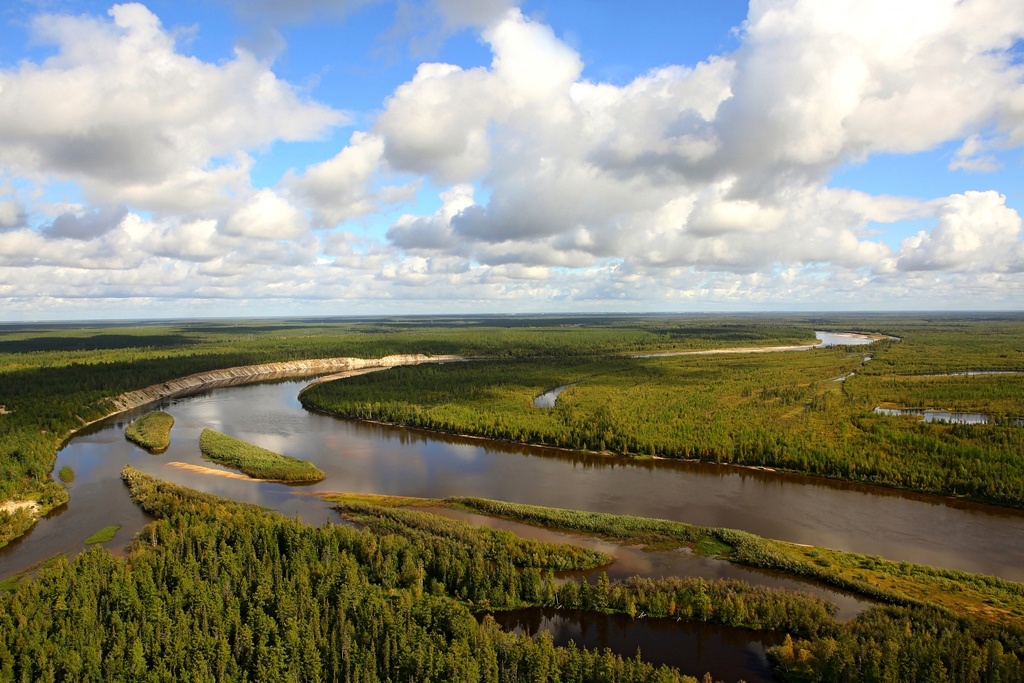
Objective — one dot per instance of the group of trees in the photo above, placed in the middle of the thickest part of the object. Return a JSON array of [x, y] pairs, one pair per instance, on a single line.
[[264, 597], [808, 412], [893, 644]]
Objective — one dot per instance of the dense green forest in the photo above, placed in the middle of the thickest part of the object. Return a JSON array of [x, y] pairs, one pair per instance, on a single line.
[[264, 597], [801, 411]]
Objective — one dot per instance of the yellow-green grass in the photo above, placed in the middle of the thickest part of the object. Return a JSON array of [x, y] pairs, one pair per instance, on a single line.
[[254, 461], [906, 583], [103, 535], [66, 474], [383, 500], [152, 431]]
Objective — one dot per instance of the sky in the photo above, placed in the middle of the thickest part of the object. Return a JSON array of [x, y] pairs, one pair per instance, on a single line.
[[209, 158]]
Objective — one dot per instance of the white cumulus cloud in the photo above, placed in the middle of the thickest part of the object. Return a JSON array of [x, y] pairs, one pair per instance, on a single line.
[[976, 231], [120, 111]]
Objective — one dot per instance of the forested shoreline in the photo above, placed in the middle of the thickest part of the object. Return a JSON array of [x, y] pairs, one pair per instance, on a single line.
[[56, 378], [805, 412], [900, 583], [264, 597]]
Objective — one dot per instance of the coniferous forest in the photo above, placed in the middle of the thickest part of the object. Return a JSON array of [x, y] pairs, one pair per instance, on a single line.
[[263, 597], [217, 590]]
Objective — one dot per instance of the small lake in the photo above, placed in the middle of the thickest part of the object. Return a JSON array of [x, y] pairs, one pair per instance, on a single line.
[[729, 654], [843, 339], [548, 398], [943, 416]]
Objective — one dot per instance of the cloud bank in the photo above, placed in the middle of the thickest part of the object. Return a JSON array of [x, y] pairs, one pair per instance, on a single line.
[[690, 186]]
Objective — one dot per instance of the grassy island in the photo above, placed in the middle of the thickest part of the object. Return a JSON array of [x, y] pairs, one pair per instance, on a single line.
[[256, 462], [103, 535], [152, 431]]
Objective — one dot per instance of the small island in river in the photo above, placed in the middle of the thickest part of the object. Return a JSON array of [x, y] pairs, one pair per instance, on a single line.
[[256, 462]]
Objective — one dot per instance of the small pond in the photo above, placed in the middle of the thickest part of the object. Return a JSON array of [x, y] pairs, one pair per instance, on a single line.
[[548, 398], [944, 416], [729, 654]]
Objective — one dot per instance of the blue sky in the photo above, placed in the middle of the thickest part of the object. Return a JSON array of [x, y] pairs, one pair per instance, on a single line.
[[348, 156]]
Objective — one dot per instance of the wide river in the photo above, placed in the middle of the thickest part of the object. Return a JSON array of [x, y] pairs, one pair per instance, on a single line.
[[373, 458]]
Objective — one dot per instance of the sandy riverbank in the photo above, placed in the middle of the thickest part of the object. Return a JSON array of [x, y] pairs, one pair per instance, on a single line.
[[12, 506], [213, 472], [248, 374]]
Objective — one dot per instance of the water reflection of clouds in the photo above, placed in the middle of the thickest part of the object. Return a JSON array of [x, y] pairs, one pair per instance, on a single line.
[[380, 459], [464, 453], [843, 339], [271, 442]]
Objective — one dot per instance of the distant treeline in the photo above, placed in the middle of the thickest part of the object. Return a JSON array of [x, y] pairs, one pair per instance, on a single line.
[[800, 411]]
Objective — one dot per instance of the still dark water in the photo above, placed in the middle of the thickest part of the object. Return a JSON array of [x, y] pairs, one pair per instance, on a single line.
[[946, 416], [657, 564], [730, 654]]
